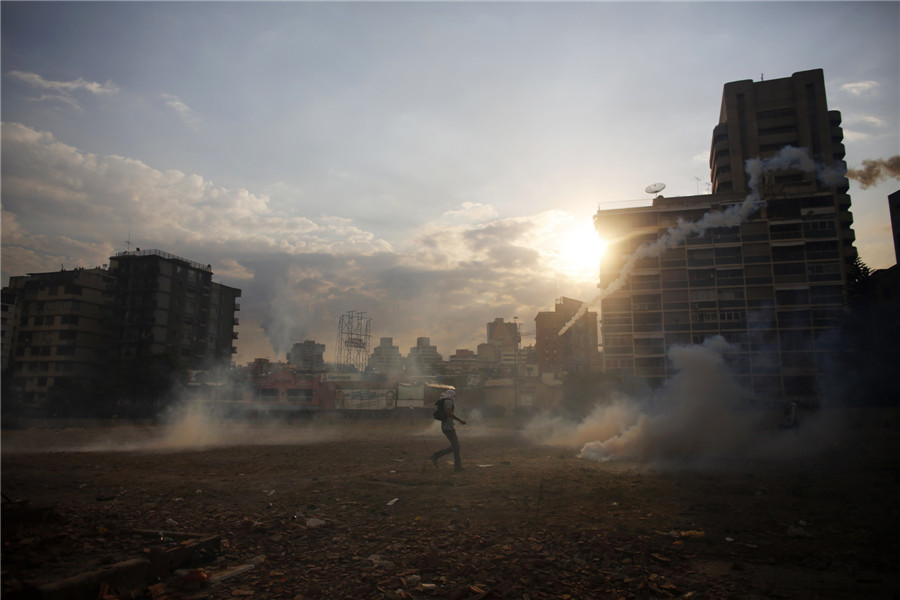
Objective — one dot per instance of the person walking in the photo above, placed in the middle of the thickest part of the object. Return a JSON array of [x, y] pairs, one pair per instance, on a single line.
[[448, 427]]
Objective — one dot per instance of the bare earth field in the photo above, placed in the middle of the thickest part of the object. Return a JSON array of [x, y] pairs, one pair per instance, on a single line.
[[356, 510]]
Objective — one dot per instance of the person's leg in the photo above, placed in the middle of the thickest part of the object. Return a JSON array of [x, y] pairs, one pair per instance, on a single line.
[[448, 449], [454, 447]]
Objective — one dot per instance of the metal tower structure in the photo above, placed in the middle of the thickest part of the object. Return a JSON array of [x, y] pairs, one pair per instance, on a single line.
[[353, 341]]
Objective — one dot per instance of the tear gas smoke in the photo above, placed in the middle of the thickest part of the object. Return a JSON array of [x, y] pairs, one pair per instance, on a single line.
[[696, 413], [873, 171], [700, 415], [701, 411], [788, 157]]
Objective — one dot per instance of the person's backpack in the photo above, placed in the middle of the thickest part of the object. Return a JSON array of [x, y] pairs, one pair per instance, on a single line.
[[439, 413]]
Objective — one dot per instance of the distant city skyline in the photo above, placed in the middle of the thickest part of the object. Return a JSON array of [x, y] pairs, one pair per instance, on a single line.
[[429, 164]]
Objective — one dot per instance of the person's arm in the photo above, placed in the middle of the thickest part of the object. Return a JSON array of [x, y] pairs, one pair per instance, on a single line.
[[453, 416]]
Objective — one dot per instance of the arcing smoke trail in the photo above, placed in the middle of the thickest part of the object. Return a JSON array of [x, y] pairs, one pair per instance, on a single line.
[[873, 171], [788, 157]]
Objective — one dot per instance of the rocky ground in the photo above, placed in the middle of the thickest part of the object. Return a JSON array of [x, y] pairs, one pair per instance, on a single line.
[[356, 510]]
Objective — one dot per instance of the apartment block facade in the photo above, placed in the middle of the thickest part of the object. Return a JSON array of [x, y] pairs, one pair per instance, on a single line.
[[576, 351], [170, 305], [64, 330], [58, 329], [386, 358], [772, 285]]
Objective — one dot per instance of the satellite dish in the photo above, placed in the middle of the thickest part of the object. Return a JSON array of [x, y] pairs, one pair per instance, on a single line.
[[654, 188]]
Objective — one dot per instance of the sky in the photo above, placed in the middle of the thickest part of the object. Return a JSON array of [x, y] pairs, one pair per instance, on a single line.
[[431, 165]]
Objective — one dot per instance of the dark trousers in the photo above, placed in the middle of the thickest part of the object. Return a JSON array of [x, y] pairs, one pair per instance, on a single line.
[[454, 448]]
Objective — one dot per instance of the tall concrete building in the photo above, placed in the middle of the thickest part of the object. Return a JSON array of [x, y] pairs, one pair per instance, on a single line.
[[423, 359], [170, 305], [386, 358], [772, 281], [308, 356], [894, 209], [59, 327], [505, 336], [573, 352]]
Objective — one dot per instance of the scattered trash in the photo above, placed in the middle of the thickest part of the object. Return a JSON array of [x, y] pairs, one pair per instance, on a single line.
[[315, 523], [693, 533], [171, 522], [377, 561], [392, 502], [195, 576], [729, 539], [485, 466]]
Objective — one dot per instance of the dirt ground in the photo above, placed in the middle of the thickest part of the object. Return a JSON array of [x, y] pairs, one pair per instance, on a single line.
[[356, 510]]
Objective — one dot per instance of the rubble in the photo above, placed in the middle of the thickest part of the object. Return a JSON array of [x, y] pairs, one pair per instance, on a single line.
[[535, 527]]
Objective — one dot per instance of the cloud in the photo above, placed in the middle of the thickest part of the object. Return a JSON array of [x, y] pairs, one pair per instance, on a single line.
[[472, 211], [297, 273], [36, 81], [181, 109], [860, 88], [63, 92]]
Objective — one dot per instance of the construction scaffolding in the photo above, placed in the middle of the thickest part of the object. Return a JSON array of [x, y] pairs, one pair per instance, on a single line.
[[353, 341]]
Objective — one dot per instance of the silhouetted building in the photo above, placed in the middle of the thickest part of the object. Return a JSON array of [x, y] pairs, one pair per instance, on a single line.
[[308, 356], [505, 336], [61, 325], [894, 208], [423, 359], [573, 352], [386, 358], [170, 305], [774, 283]]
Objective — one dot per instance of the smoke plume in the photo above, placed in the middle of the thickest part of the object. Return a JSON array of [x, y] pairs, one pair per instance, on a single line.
[[873, 171], [701, 415], [788, 157], [696, 413]]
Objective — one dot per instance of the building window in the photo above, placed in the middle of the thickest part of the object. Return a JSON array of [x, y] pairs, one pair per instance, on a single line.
[[822, 250], [823, 271], [786, 231], [826, 294], [787, 253], [728, 255], [792, 297], [705, 295]]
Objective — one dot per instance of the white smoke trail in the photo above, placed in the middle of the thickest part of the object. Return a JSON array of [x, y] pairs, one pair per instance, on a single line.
[[788, 157], [696, 413]]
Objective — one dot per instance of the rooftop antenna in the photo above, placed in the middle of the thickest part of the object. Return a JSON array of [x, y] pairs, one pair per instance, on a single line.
[[655, 188], [128, 241]]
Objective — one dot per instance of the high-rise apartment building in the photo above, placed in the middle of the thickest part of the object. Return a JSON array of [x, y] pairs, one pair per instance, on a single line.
[[59, 328], [772, 283], [423, 358], [505, 336], [894, 210], [573, 352], [386, 358], [308, 356], [170, 305]]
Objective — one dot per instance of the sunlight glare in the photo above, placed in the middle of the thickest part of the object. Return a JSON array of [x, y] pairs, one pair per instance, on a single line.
[[580, 252]]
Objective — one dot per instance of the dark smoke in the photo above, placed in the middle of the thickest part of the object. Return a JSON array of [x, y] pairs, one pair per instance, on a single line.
[[873, 171]]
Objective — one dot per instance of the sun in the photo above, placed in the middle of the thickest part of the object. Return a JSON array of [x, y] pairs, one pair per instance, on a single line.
[[580, 252]]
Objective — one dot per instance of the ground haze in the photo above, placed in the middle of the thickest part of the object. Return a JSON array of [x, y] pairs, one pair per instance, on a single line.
[[356, 510]]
